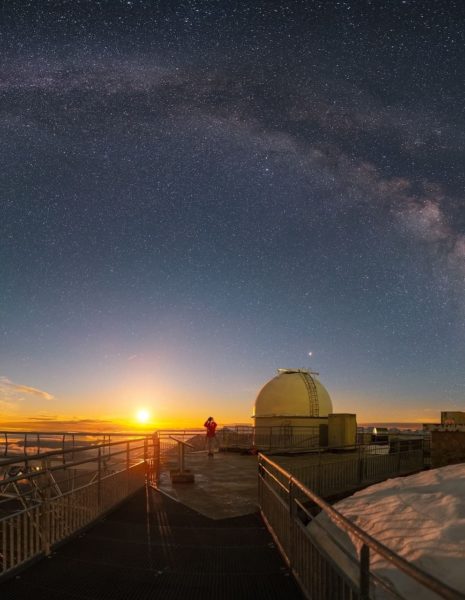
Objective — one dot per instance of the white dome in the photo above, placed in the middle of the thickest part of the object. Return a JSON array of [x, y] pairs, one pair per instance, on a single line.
[[293, 393]]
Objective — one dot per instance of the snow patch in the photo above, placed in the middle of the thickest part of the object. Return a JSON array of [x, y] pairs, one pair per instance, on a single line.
[[420, 517]]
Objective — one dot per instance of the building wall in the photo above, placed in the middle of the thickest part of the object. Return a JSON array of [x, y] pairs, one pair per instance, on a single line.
[[290, 421], [447, 448], [290, 432], [452, 417], [440, 427]]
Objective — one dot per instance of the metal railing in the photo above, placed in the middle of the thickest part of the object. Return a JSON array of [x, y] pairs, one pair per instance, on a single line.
[[323, 567], [335, 473], [244, 437], [265, 439], [329, 471], [28, 443], [47, 497]]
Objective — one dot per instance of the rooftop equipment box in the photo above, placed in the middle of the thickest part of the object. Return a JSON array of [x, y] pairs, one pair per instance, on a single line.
[[342, 430]]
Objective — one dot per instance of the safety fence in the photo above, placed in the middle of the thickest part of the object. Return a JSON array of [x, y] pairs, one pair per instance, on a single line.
[[18, 444], [339, 472], [29, 443], [324, 567], [47, 497], [266, 439], [166, 443], [325, 470], [243, 437]]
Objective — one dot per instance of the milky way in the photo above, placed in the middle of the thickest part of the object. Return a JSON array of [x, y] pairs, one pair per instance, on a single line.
[[220, 188]]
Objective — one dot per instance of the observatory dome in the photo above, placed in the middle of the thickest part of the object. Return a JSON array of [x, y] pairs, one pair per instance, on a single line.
[[293, 393]]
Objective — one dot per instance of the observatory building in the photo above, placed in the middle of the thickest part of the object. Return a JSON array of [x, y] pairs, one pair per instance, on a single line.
[[294, 410], [295, 397], [291, 411]]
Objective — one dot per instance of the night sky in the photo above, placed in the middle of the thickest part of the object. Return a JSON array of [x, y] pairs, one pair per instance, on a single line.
[[195, 193]]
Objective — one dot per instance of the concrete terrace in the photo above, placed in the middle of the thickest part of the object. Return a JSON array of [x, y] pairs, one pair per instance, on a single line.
[[185, 541], [227, 485]]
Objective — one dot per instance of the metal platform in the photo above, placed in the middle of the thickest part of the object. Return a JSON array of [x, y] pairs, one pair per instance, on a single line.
[[154, 547]]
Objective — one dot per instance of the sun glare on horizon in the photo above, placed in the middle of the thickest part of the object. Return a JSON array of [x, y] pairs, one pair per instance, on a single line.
[[142, 416]]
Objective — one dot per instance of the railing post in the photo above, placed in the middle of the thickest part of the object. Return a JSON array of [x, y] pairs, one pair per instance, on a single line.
[[146, 458], [128, 464], [181, 457], [292, 513], [365, 573], [45, 513], [156, 459], [99, 480], [360, 464]]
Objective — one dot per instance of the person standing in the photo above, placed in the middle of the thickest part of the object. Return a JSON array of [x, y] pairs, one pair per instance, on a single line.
[[211, 435]]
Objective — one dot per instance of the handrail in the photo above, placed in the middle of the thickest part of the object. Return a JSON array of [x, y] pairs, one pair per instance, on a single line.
[[77, 432], [72, 450], [168, 432], [339, 519], [34, 475], [181, 442]]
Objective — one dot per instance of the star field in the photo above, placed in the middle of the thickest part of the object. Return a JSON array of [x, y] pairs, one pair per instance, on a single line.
[[196, 193]]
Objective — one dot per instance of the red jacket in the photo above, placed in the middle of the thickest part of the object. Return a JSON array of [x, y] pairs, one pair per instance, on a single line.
[[211, 426]]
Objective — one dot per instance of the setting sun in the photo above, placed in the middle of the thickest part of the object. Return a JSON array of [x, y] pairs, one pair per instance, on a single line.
[[142, 416]]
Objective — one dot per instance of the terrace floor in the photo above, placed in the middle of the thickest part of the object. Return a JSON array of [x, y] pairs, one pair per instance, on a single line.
[[227, 485], [153, 546]]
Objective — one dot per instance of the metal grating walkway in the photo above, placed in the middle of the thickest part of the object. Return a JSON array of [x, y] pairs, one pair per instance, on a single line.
[[153, 547]]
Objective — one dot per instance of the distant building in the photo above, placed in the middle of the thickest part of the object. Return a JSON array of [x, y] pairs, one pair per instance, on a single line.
[[450, 421], [447, 438], [450, 417]]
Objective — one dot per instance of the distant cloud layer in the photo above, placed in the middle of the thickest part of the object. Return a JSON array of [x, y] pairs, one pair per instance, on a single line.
[[55, 424], [11, 392]]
